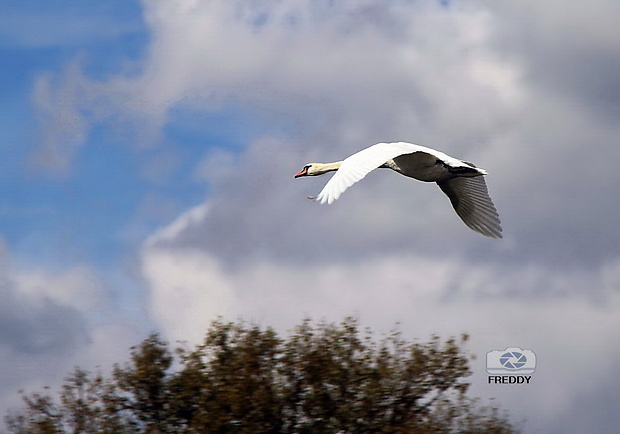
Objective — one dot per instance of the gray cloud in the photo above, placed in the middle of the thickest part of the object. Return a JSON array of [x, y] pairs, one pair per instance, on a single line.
[[469, 80], [350, 81], [34, 323], [44, 327], [569, 50], [525, 90], [51, 321]]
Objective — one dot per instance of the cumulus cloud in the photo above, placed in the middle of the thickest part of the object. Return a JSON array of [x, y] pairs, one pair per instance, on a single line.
[[352, 74], [50, 321], [526, 90], [381, 68], [33, 320], [359, 71], [568, 318]]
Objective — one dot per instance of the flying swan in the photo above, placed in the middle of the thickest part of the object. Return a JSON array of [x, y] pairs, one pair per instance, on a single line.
[[462, 182]]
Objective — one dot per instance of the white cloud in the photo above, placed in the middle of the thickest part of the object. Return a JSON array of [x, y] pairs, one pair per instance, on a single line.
[[78, 288], [440, 76], [514, 88], [187, 292], [573, 331], [384, 69]]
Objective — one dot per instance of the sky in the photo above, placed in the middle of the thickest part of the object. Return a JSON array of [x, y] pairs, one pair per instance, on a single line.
[[146, 182]]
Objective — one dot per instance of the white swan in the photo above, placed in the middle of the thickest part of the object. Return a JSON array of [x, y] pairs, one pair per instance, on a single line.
[[462, 182]]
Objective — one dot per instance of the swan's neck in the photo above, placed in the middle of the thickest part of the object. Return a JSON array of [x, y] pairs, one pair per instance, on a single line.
[[321, 168]]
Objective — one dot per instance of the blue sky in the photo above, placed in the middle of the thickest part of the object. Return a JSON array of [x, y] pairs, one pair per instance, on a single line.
[[37, 39], [146, 181], [88, 210]]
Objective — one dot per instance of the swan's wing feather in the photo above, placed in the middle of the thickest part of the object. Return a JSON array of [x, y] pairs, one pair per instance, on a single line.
[[360, 164], [471, 201]]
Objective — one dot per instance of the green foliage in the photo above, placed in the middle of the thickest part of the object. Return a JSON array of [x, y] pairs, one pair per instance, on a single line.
[[243, 379]]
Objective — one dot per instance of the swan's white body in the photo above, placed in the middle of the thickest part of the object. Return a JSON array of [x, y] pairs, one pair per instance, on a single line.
[[462, 182]]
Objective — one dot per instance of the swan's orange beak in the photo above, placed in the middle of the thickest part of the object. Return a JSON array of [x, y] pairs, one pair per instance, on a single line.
[[303, 172]]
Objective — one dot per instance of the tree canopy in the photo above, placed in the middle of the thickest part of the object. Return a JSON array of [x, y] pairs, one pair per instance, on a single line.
[[323, 378]]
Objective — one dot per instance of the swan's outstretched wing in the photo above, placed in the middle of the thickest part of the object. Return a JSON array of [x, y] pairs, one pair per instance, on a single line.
[[471, 201], [360, 164]]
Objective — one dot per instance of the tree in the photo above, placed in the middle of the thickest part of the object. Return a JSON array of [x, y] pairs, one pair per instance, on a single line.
[[323, 378]]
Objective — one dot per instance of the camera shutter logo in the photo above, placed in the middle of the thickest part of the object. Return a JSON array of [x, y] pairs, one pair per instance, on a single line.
[[512, 360]]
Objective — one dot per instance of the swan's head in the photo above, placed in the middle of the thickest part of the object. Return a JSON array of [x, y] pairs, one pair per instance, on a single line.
[[304, 171], [314, 169], [311, 169]]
